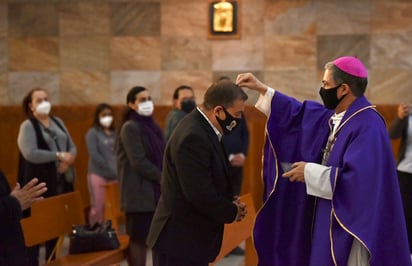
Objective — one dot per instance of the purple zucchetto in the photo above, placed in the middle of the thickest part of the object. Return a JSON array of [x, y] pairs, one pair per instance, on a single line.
[[351, 65]]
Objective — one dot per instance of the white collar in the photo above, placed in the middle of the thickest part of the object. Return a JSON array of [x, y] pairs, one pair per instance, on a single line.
[[218, 134], [336, 119]]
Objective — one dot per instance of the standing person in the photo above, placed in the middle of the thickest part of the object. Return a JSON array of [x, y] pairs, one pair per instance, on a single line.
[[236, 145], [183, 103], [47, 151], [401, 129], [102, 169], [340, 203], [197, 194], [12, 202], [139, 154]]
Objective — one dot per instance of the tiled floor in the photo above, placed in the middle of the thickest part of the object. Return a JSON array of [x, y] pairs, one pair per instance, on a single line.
[[231, 260]]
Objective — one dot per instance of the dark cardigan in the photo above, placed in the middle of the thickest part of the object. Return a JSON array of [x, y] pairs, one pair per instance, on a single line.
[[399, 129], [45, 172]]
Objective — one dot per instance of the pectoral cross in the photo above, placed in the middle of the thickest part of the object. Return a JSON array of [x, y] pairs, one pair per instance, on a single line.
[[329, 145]]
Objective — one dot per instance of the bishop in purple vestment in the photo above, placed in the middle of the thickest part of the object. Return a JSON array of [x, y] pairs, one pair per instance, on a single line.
[[340, 203]]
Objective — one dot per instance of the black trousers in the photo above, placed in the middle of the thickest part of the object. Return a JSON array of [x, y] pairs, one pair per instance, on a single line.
[[33, 252], [160, 259], [405, 183]]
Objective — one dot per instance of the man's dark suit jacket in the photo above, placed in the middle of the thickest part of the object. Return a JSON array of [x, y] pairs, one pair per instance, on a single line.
[[196, 199]]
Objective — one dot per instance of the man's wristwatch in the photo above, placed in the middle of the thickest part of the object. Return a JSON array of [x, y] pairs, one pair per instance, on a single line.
[[60, 156]]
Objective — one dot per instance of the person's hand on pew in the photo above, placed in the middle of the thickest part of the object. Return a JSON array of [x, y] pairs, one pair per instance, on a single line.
[[30, 193], [241, 209]]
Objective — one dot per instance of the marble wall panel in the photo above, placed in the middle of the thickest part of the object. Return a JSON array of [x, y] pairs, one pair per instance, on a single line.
[[216, 75], [3, 19], [186, 54], [289, 52], [4, 94], [232, 75], [33, 19], [122, 81], [85, 87], [37, 54], [184, 18], [251, 24], [20, 83], [391, 16], [330, 47], [290, 18], [116, 44], [391, 51], [139, 53], [84, 53], [390, 86], [241, 55], [135, 19], [343, 17], [126, 1], [252, 95], [301, 84], [84, 18], [3, 55], [198, 80], [36, 1]]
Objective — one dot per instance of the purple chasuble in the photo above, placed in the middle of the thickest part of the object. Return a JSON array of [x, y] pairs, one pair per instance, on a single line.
[[293, 228]]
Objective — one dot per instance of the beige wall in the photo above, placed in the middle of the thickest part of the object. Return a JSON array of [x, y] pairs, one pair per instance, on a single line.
[[91, 51]]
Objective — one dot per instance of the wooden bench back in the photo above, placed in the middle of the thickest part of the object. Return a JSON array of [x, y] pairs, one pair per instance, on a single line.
[[234, 233], [53, 217], [237, 232], [112, 205]]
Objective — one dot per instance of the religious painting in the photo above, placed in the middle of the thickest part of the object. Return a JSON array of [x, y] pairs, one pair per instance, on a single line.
[[223, 19]]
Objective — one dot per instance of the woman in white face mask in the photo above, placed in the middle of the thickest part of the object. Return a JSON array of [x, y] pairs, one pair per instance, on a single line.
[[102, 168], [140, 150], [46, 151]]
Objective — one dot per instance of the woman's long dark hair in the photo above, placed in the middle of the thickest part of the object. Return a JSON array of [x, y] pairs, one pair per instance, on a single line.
[[27, 100], [130, 98], [154, 135]]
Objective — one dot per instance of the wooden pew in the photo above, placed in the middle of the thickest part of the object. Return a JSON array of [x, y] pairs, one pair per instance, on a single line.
[[237, 232], [79, 118], [53, 217], [112, 205], [234, 233]]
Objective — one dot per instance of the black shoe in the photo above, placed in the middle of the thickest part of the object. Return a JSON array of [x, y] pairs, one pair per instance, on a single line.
[[237, 251]]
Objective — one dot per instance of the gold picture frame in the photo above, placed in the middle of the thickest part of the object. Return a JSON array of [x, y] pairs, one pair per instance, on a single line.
[[223, 19]]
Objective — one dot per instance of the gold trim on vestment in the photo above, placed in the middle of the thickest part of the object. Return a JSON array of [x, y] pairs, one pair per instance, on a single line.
[[261, 177], [333, 213]]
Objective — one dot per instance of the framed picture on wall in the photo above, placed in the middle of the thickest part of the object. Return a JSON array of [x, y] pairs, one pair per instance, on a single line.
[[224, 19]]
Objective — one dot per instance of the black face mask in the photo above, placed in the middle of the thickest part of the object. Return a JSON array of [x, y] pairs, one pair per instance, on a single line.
[[229, 123], [188, 105], [330, 97]]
